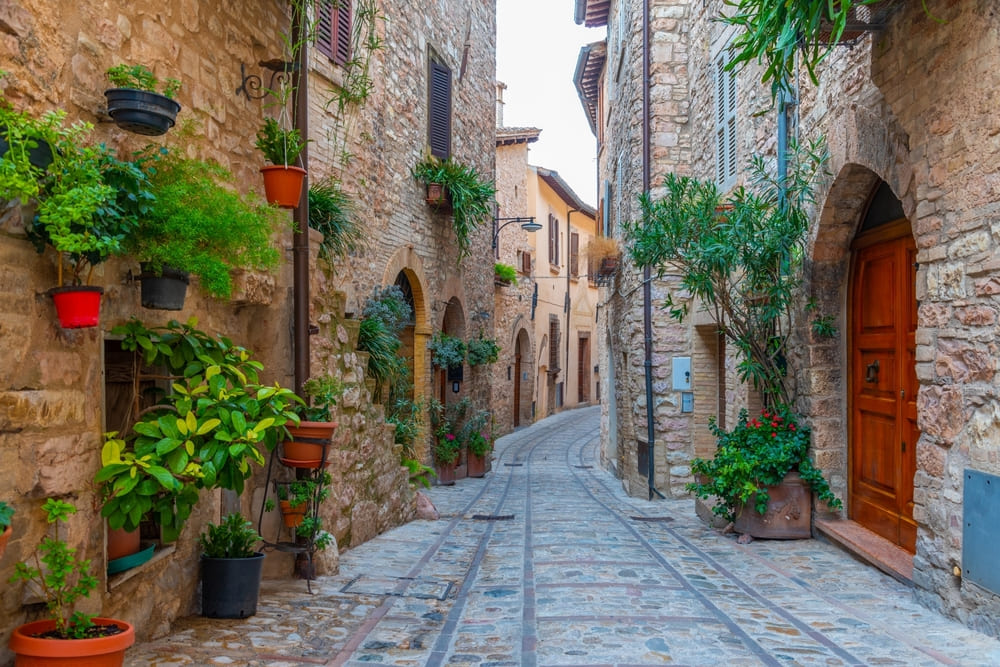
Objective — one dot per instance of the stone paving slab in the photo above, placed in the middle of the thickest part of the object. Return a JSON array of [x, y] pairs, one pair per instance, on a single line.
[[580, 575]]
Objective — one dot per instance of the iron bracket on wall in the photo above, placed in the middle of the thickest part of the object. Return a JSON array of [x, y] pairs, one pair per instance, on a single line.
[[252, 85]]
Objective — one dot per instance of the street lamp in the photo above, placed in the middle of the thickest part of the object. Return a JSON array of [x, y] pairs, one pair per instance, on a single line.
[[528, 224]]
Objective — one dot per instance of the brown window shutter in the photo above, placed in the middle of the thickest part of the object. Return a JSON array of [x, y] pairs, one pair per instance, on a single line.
[[526, 263], [324, 27], [553, 346], [439, 111], [574, 254], [341, 41]]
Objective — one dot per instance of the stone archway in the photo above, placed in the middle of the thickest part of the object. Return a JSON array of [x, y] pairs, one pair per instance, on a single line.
[[523, 375]]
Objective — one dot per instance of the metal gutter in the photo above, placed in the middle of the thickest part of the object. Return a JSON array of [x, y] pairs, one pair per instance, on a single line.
[[300, 238]]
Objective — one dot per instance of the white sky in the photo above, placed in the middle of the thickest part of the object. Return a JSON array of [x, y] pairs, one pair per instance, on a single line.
[[538, 44]]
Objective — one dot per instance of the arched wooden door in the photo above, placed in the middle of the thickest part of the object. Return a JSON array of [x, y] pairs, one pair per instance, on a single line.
[[883, 383]]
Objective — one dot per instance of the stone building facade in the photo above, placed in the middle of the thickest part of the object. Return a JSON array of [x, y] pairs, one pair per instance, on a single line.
[[52, 414], [910, 201]]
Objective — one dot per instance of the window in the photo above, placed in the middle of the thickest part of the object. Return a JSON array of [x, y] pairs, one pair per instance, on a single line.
[[526, 263], [439, 110], [725, 121], [574, 255], [333, 30], [553, 240], [553, 345]]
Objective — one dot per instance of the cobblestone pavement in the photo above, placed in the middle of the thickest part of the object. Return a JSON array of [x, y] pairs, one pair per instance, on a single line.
[[547, 562]]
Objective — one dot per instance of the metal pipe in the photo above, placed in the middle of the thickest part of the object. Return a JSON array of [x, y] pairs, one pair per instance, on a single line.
[[300, 238], [569, 298], [647, 292]]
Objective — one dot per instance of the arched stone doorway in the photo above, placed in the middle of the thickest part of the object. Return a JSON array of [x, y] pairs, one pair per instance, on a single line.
[[523, 374]]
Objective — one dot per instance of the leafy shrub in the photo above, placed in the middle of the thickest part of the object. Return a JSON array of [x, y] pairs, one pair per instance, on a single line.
[[234, 537]]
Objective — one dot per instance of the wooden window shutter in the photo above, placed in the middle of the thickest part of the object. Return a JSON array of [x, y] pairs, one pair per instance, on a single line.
[[574, 254], [526, 263], [439, 111], [725, 122], [341, 40], [553, 346], [324, 27]]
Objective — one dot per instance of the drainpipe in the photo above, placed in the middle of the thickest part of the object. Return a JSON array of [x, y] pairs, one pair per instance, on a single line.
[[569, 298], [300, 238], [647, 290]]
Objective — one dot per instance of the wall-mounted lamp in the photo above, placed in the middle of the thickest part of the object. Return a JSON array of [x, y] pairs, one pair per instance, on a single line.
[[251, 85], [455, 387], [528, 224]]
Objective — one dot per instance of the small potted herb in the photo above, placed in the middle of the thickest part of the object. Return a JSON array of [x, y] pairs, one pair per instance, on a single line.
[[139, 103], [231, 568], [67, 637], [282, 178], [294, 497]]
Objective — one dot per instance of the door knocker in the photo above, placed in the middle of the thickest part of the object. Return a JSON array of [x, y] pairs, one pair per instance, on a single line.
[[871, 372]]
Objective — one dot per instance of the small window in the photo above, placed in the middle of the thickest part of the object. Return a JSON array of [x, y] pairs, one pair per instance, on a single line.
[[725, 121], [553, 240], [439, 111], [333, 30], [553, 345], [526, 263]]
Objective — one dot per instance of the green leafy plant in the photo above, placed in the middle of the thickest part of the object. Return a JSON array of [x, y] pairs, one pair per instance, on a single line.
[[201, 225], [60, 575], [822, 325], [384, 316], [305, 490], [504, 272], [741, 260], [140, 77], [280, 146], [234, 537], [482, 350], [477, 432], [419, 472], [322, 393], [6, 515], [204, 433], [447, 422], [311, 528], [757, 453], [332, 213], [447, 351], [470, 195]]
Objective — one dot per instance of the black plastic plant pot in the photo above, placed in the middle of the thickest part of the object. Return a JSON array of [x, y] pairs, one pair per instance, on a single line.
[[40, 156], [230, 586], [141, 111], [165, 291]]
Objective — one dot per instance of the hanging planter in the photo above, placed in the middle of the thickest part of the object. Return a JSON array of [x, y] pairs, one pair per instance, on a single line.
[[141, 111], [77, 307], [283, 184], [165, 290], [39, 156], [437, 196]]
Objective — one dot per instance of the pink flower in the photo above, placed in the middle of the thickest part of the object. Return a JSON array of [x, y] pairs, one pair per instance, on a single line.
[[773, 434], [449, 436]]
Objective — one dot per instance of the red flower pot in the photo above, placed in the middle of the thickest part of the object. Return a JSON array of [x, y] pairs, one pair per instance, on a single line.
[[122, 543], [34, 651], [309, 444], [77, 307], [283, 185], [292, 515]]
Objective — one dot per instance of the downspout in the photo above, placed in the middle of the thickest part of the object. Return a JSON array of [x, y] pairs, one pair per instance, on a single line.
[[647, 290], [569, 298], [300, 238]]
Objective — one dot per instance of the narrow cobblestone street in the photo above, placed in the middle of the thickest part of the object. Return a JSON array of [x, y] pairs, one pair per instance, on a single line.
[[547, 562]]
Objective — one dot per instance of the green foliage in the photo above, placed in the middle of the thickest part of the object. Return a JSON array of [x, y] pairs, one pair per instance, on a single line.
[[311, 528], [447, 351], [448, 422], [405, 415], [332, 213], [471, 197], [205, 433], [384, 316], [305, 490], [504, 272], [60, 575], [482, 350], [323, 392], [200, 224], [6, 515], [742, 259], [139, 77], [477, 432], [280, 146], [822, 325], [419, 472], [756, 454], [234, 537]]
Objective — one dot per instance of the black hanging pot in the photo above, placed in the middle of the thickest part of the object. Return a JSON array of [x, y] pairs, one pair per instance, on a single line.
[[141, 111], [164, 290], [40, 156], [230, 586]]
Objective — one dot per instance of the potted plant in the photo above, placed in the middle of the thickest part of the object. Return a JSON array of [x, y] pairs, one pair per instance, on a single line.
[[138, 103], [231, 568], [385, 315], [761, 475], [308, 441], [334, 215], [447, 423], [470, 196], [205, 433], [6, 517], [281, 147], [603, 255], [478, 438], [199, 224], [482, 350], [504, 274], [67, 637], [447, 351], [294, 497]]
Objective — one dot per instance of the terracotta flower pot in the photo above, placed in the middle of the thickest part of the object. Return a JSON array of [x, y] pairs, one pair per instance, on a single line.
[[309, 444], [476, 465], [437, 196], [292, 515], [5, 538], [122, 543], [34, 651], [788, 516], [446, 474], [283, 185], [77, 307]]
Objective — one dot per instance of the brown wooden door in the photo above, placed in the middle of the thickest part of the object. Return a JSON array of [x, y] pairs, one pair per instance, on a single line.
[[517, 387], [883, 424]]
